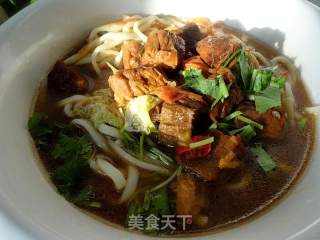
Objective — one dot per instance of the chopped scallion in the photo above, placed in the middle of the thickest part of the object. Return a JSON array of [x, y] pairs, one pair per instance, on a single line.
[[302, 122], [141, 142], [264, 159], [251, 122], [233, 115], [239, 115], [247, 132], [213, 126], [231, 57], [202, 142]]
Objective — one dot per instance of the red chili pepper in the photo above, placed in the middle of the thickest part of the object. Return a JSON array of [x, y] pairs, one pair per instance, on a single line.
[[187, 153]]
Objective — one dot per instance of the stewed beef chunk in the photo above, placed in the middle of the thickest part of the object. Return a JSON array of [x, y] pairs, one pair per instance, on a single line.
[[130, 83], [176, 124], [216, 48], [190, 196], [132, 54], [191, 34], [273, 120], [65, 80], [226, 154], [222, 109], [163, 49]]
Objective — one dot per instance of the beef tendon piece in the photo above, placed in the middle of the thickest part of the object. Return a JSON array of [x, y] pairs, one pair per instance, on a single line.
[[176, 124], [130, 83], [216, 48], [222, 109], [273, 120], [132, 54], [163, 49], [65, 80], [190, 196], [228, 150]]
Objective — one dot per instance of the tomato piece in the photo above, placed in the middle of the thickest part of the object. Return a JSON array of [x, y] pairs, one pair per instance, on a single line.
[[170, 94], [186, 153]]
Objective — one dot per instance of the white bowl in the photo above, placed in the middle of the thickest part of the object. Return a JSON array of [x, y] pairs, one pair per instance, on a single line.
[[34, 39]]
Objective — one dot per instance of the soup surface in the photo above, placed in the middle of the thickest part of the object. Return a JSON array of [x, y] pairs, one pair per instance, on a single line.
[[171, 126]]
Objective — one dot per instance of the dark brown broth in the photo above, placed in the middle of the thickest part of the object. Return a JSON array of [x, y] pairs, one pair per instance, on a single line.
[[226, 203]]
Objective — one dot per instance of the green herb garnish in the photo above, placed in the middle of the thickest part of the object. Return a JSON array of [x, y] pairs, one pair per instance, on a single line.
[[40, 129], [245, 68], [154, 203], [201, 143], [246, 133], [74, 152], [268, 98], [216, 88], [264, 159]]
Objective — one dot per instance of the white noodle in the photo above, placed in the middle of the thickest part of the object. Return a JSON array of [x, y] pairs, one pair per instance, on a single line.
[[138, 32], [68, 110], [178, 22], [132, 183], [103, 54], [112, 27], [106, 28], [98, 139], [262, 58], [167, 181], [128, 27], [72, 99], [108, 130], [114, 70], [83, 51], [110, 40], [118, 37], [288, 65], [289, 103], [105, 168], [313, 110], [118, 59], [253, 60], [142, 25], [134, 161]]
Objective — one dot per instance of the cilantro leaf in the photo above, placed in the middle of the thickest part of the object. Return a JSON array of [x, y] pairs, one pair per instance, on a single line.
[[268, 98], [216, 88], [302, 122], [245, 68], [278, 82], [40, 129], [260, 79], [68, 148], [231, 58], [246, 133], [193, 73], [85, 194], [263, 78], [75, 153], [154, 203]]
